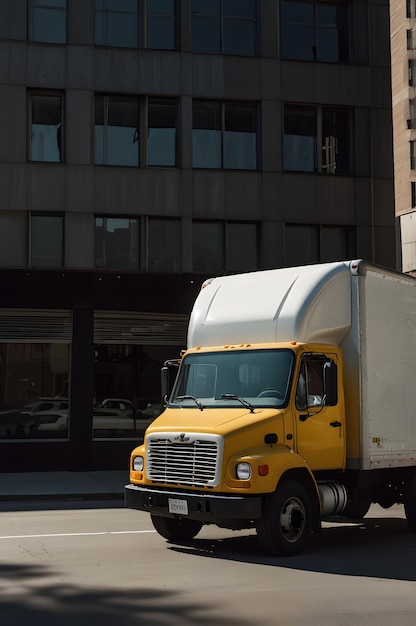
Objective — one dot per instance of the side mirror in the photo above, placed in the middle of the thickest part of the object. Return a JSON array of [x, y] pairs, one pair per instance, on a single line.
[[164, 376]]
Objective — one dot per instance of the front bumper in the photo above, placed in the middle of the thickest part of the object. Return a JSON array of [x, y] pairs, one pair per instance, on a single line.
[[206, 507]]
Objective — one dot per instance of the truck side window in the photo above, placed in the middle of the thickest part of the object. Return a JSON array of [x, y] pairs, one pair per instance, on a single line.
[[317, 384]]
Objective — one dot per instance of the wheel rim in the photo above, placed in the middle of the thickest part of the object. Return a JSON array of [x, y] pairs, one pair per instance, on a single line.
[[292, 519]]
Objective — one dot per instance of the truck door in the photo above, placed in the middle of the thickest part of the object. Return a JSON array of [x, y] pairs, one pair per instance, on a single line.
[[319, 424]]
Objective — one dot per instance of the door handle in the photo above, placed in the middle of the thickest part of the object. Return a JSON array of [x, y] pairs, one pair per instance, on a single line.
[[335, 424]]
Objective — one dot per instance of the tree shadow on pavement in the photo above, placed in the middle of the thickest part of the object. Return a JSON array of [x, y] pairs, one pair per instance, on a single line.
[[33, 600]]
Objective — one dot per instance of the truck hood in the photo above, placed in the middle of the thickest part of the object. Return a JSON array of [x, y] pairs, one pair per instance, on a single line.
[[221, 421]]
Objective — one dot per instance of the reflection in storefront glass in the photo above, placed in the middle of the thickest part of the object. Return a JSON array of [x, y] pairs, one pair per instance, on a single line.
[[127, 388], [34, 390]]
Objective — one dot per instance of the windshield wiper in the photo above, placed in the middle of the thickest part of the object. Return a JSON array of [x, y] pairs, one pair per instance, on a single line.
[[232, 396], [197, 402]]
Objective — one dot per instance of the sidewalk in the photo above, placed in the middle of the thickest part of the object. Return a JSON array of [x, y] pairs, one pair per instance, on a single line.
[[63, 485]]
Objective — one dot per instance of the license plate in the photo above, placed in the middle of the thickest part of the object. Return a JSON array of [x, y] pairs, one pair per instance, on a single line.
[[180, 507]]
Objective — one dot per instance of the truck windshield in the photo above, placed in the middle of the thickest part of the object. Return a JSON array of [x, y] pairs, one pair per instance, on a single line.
[[230, 379]]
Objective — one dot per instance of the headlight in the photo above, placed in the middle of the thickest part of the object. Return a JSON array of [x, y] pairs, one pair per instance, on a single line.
[[243, 471], [138, 464]]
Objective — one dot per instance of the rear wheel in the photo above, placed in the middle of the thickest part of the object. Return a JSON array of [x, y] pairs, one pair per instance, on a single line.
[[176, 529], [357, 508], [286, 523], [410, 505]]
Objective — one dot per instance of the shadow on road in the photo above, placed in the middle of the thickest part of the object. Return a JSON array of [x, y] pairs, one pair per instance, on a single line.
[[380, 548], [32, 600]]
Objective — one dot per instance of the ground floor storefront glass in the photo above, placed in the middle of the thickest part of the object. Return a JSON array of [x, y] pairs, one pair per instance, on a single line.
[[127, 394], [34, 390]]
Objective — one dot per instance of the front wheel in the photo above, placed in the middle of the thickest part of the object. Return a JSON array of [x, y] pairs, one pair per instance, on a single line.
[[286, 523], [176, 529]]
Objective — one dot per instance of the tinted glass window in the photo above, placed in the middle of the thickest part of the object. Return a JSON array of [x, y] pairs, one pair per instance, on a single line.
[[116, 130], [46, 141], [240, 137], [33, 371], [116, 243], [314, 30], [117, 23], [206, 135], [47, 21], [46, 241], [229, 27], [208, 246], [160, 24], [241, 247], [164, 244], [161, 133], [300, 139]]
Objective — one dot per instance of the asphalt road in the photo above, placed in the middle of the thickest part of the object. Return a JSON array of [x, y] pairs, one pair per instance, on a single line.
[[80, 563]]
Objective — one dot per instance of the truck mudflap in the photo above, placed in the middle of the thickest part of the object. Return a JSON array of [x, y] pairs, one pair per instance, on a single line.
[[205, 507]]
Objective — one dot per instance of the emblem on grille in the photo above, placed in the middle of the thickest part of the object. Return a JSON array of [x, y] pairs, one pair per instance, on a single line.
[[182, 438]]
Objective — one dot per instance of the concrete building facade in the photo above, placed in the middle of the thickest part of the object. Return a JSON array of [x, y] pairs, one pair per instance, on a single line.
[[147, 145]]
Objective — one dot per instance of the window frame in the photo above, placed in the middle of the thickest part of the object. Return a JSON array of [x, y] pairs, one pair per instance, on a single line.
[[225, 263], [141, 133], [319, 234], [222, 18], [316, 26], [142, 18], [320, 148], [101, 254], [60, 140], [32, 216], [34, 7], [219, 108]]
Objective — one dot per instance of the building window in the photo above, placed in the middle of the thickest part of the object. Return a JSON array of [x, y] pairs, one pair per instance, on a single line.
[[224, 246], [116, 243], [136, 23], [412, 155], [46, 240], [413, 189], [47, 21], [120, 139], [161, 24], [162, 124], [46, 124], [164, 248], [306, 244], [316, 139], [411, 71], [410, 8], [224, 26], [241, 247], [224, 135], [314, 30], [116, 130], [208, 247]]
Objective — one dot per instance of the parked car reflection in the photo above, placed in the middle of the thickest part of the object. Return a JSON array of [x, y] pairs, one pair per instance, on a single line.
[[47, 418]]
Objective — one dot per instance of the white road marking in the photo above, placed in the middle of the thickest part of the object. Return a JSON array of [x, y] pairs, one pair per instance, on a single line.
[[109, 532]]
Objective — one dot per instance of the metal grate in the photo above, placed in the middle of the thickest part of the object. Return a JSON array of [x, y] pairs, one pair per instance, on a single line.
[[195, 461], [35, 326], [140, 328]]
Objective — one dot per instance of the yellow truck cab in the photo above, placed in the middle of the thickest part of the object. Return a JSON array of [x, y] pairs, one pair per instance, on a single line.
[[276, 418]]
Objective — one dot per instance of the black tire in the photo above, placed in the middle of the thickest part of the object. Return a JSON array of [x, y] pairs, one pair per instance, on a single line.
[[286, 524], [176, 529], [357, 509], [410, 505]]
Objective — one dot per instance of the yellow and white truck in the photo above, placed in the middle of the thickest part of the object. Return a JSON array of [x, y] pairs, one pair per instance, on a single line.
[[294, 401]]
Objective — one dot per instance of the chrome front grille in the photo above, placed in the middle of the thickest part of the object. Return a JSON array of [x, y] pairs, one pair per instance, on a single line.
[[186, 459]]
